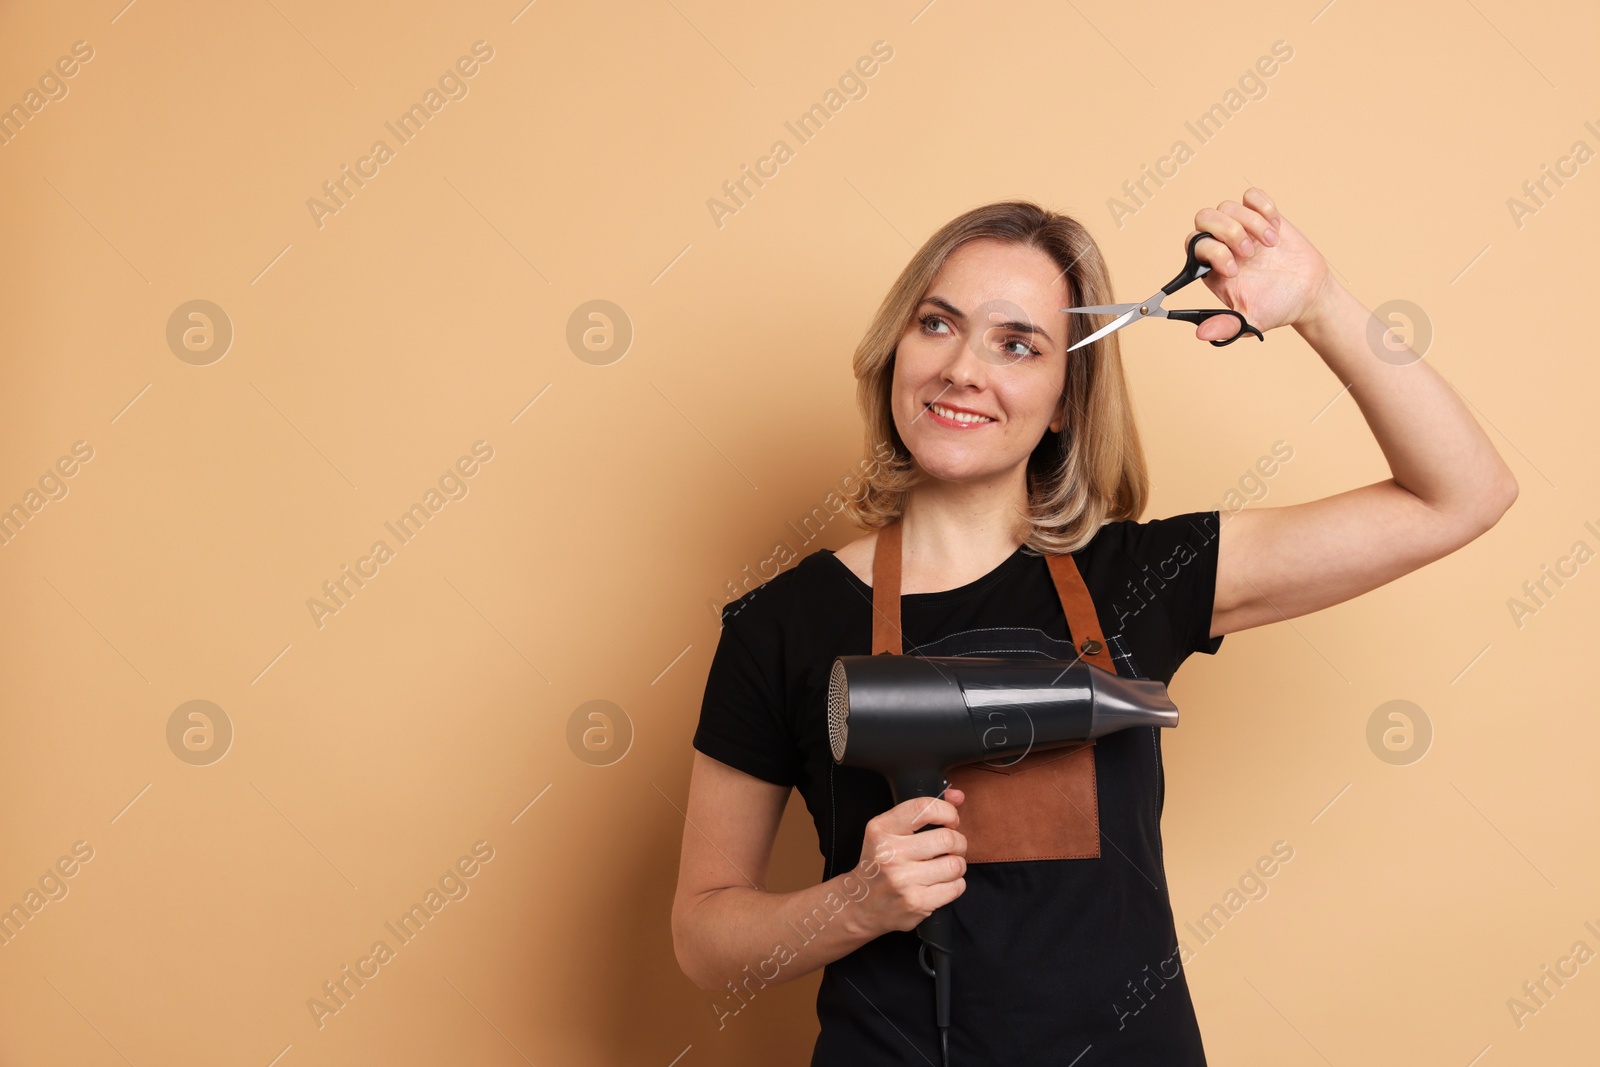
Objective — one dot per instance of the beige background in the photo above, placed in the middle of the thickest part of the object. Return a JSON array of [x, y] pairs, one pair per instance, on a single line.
[[588, 557]]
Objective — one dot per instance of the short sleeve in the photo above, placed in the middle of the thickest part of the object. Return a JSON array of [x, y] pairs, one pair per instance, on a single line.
[[1176, 558], [742, 713]]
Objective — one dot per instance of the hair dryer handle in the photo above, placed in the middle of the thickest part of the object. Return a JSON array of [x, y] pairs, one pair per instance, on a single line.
[[938, 927], [935, 932], [925, 782], [908, 782]]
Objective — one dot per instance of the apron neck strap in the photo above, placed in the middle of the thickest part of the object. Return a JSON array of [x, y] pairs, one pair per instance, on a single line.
[[1083, 623], [886, 636]]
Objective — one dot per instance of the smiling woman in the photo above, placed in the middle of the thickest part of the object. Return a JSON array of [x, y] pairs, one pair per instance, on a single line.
[[1070, 418], [1005, 521]]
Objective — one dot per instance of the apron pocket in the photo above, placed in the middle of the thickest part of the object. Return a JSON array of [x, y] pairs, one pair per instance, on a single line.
[[1042, 807]]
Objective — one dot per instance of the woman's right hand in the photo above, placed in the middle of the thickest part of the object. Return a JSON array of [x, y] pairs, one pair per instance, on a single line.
[[913, 873]]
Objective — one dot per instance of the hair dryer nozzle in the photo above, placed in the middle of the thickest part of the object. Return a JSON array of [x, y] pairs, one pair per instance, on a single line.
[[1122, 702]]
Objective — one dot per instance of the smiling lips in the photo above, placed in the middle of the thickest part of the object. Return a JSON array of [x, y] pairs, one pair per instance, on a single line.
[[956, 418]]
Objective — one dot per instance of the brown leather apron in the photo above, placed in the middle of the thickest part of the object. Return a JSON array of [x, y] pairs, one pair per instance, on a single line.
[[1043, 806]]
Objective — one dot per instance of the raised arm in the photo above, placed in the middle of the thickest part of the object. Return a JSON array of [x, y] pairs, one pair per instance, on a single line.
[[1448, 483]]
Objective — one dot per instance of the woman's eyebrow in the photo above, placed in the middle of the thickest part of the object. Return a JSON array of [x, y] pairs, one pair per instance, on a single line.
[[1019, 327]]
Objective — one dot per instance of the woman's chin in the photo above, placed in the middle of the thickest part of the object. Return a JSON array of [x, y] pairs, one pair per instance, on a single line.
[[956, 467]]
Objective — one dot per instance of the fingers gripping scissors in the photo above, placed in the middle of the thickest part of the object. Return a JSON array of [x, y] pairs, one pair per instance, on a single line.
[[1193, 270]]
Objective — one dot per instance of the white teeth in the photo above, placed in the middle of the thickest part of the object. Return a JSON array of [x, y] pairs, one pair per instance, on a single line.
[[958, 416]]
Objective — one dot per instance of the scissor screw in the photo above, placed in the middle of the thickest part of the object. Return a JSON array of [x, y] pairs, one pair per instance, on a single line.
[[1144, 309]]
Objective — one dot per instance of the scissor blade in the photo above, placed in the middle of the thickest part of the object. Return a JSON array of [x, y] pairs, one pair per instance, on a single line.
[[1115, 324], [1103, 309]]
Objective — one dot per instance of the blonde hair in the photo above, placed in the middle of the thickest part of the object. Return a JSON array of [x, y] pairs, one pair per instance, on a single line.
[[1090, 473]]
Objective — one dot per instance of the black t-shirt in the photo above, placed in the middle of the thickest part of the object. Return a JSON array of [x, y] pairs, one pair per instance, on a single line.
[[1049, 956]]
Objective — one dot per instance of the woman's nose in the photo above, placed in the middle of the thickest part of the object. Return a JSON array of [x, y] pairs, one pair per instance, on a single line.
[[968, 361]]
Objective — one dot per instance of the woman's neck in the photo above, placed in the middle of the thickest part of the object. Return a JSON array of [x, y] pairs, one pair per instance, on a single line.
[[953, 533]]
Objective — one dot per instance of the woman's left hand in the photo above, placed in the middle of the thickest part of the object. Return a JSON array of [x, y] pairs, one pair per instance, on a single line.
[[1261, 266]]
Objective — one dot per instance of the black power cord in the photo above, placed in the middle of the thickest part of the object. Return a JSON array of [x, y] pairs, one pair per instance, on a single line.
[[940, 973]]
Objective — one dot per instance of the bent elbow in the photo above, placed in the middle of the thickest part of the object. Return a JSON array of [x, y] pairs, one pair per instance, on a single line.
[[1488, 508], [684, 940], [1508, 495], [1498, 503], [681, 940], [691, 970], [686, 967]]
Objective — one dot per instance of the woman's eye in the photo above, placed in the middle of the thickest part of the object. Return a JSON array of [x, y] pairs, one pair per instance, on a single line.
[[930, 321]]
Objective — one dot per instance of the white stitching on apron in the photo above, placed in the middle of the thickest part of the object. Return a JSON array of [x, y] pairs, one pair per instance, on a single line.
[[1124, 656]]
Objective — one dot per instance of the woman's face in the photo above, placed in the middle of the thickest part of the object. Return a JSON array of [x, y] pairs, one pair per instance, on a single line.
[[988, 338]]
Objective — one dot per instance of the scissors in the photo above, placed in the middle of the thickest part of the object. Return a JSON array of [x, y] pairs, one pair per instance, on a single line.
[[1192, 271]]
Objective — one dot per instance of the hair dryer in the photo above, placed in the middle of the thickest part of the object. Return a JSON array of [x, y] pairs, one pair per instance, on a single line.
[[911, 718]]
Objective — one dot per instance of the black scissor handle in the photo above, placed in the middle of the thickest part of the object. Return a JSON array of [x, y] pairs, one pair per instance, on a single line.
[[1201, 315], [1193, 270]]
